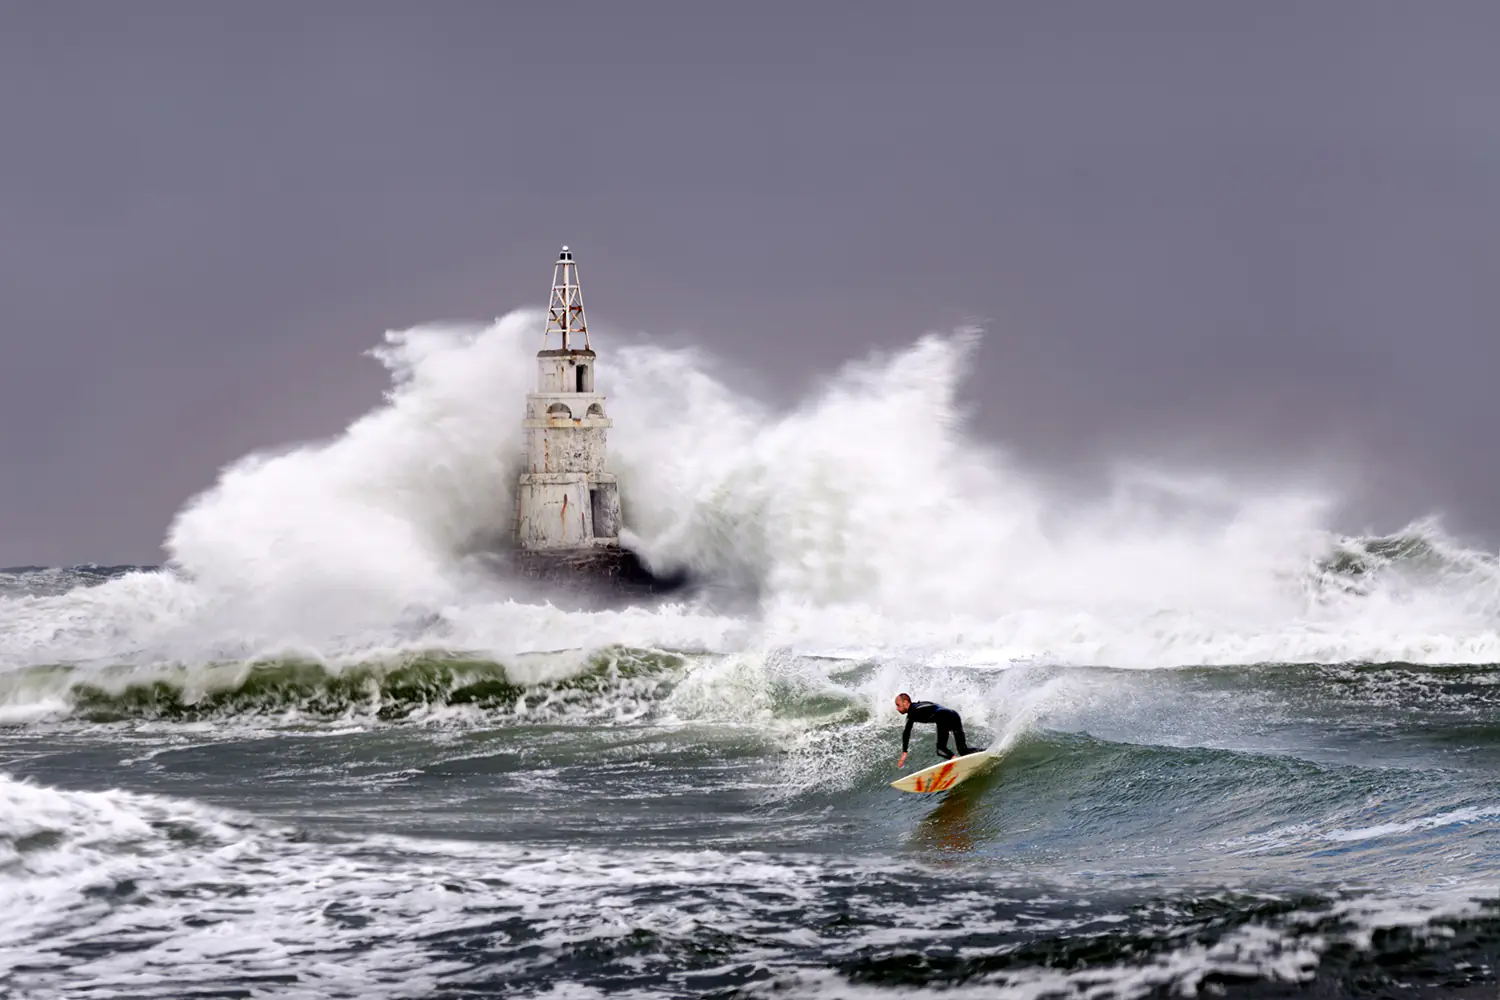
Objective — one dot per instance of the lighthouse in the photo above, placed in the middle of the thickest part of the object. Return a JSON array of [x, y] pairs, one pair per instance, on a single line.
[[567, 506]]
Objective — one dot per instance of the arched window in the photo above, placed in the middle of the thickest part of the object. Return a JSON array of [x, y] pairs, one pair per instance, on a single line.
[[560, 410], [595, 410]]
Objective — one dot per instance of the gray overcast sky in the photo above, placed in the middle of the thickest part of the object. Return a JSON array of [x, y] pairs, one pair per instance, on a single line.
[[1258, 228]]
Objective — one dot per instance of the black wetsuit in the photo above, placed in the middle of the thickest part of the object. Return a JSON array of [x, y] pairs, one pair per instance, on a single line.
[[947, 721]]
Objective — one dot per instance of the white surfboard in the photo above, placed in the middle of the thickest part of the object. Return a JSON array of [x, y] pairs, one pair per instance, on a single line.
[[941, 777]]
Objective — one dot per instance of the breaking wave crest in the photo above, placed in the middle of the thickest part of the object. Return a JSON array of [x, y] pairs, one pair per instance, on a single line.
[[609, 685], [870, 519]]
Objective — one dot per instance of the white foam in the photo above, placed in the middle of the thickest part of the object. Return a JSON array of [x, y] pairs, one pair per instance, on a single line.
[[869, 516], [1452, 817], [142, 895]]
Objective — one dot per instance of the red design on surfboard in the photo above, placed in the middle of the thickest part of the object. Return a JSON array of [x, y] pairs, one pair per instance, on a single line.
[[937, 782]]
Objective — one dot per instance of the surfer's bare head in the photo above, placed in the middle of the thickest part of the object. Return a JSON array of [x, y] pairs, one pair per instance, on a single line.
[[903, 702]]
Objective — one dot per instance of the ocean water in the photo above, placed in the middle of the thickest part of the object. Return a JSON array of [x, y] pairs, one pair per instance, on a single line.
[[326, 751]]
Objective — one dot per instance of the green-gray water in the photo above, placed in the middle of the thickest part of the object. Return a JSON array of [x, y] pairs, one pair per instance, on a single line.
[[670, 823]]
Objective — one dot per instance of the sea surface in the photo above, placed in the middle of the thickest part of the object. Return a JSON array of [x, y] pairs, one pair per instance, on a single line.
[[323, 752]]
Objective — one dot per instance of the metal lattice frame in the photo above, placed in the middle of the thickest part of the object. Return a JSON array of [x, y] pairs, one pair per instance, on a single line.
[[565, 313]]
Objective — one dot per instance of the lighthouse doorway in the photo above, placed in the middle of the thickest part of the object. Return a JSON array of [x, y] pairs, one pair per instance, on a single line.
[[604, 512]]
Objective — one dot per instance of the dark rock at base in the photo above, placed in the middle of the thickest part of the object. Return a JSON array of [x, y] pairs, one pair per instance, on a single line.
[[595, 576]]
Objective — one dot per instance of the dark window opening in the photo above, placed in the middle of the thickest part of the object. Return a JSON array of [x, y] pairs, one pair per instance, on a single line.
[[583, 375]]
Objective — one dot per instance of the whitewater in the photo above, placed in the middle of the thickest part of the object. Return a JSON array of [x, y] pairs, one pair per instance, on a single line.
[[868, 517], [327, 749]]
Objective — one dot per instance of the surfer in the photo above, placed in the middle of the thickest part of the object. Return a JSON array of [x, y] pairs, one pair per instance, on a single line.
[[946, 719]]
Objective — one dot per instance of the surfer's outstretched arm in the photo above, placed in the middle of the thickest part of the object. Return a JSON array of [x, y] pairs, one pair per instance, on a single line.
[[905, 741]]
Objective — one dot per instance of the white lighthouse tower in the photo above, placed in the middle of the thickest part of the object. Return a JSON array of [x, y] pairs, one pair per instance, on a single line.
[[567, 507]]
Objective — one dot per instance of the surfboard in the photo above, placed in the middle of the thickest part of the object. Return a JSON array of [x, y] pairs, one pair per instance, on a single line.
[[941, 777]]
